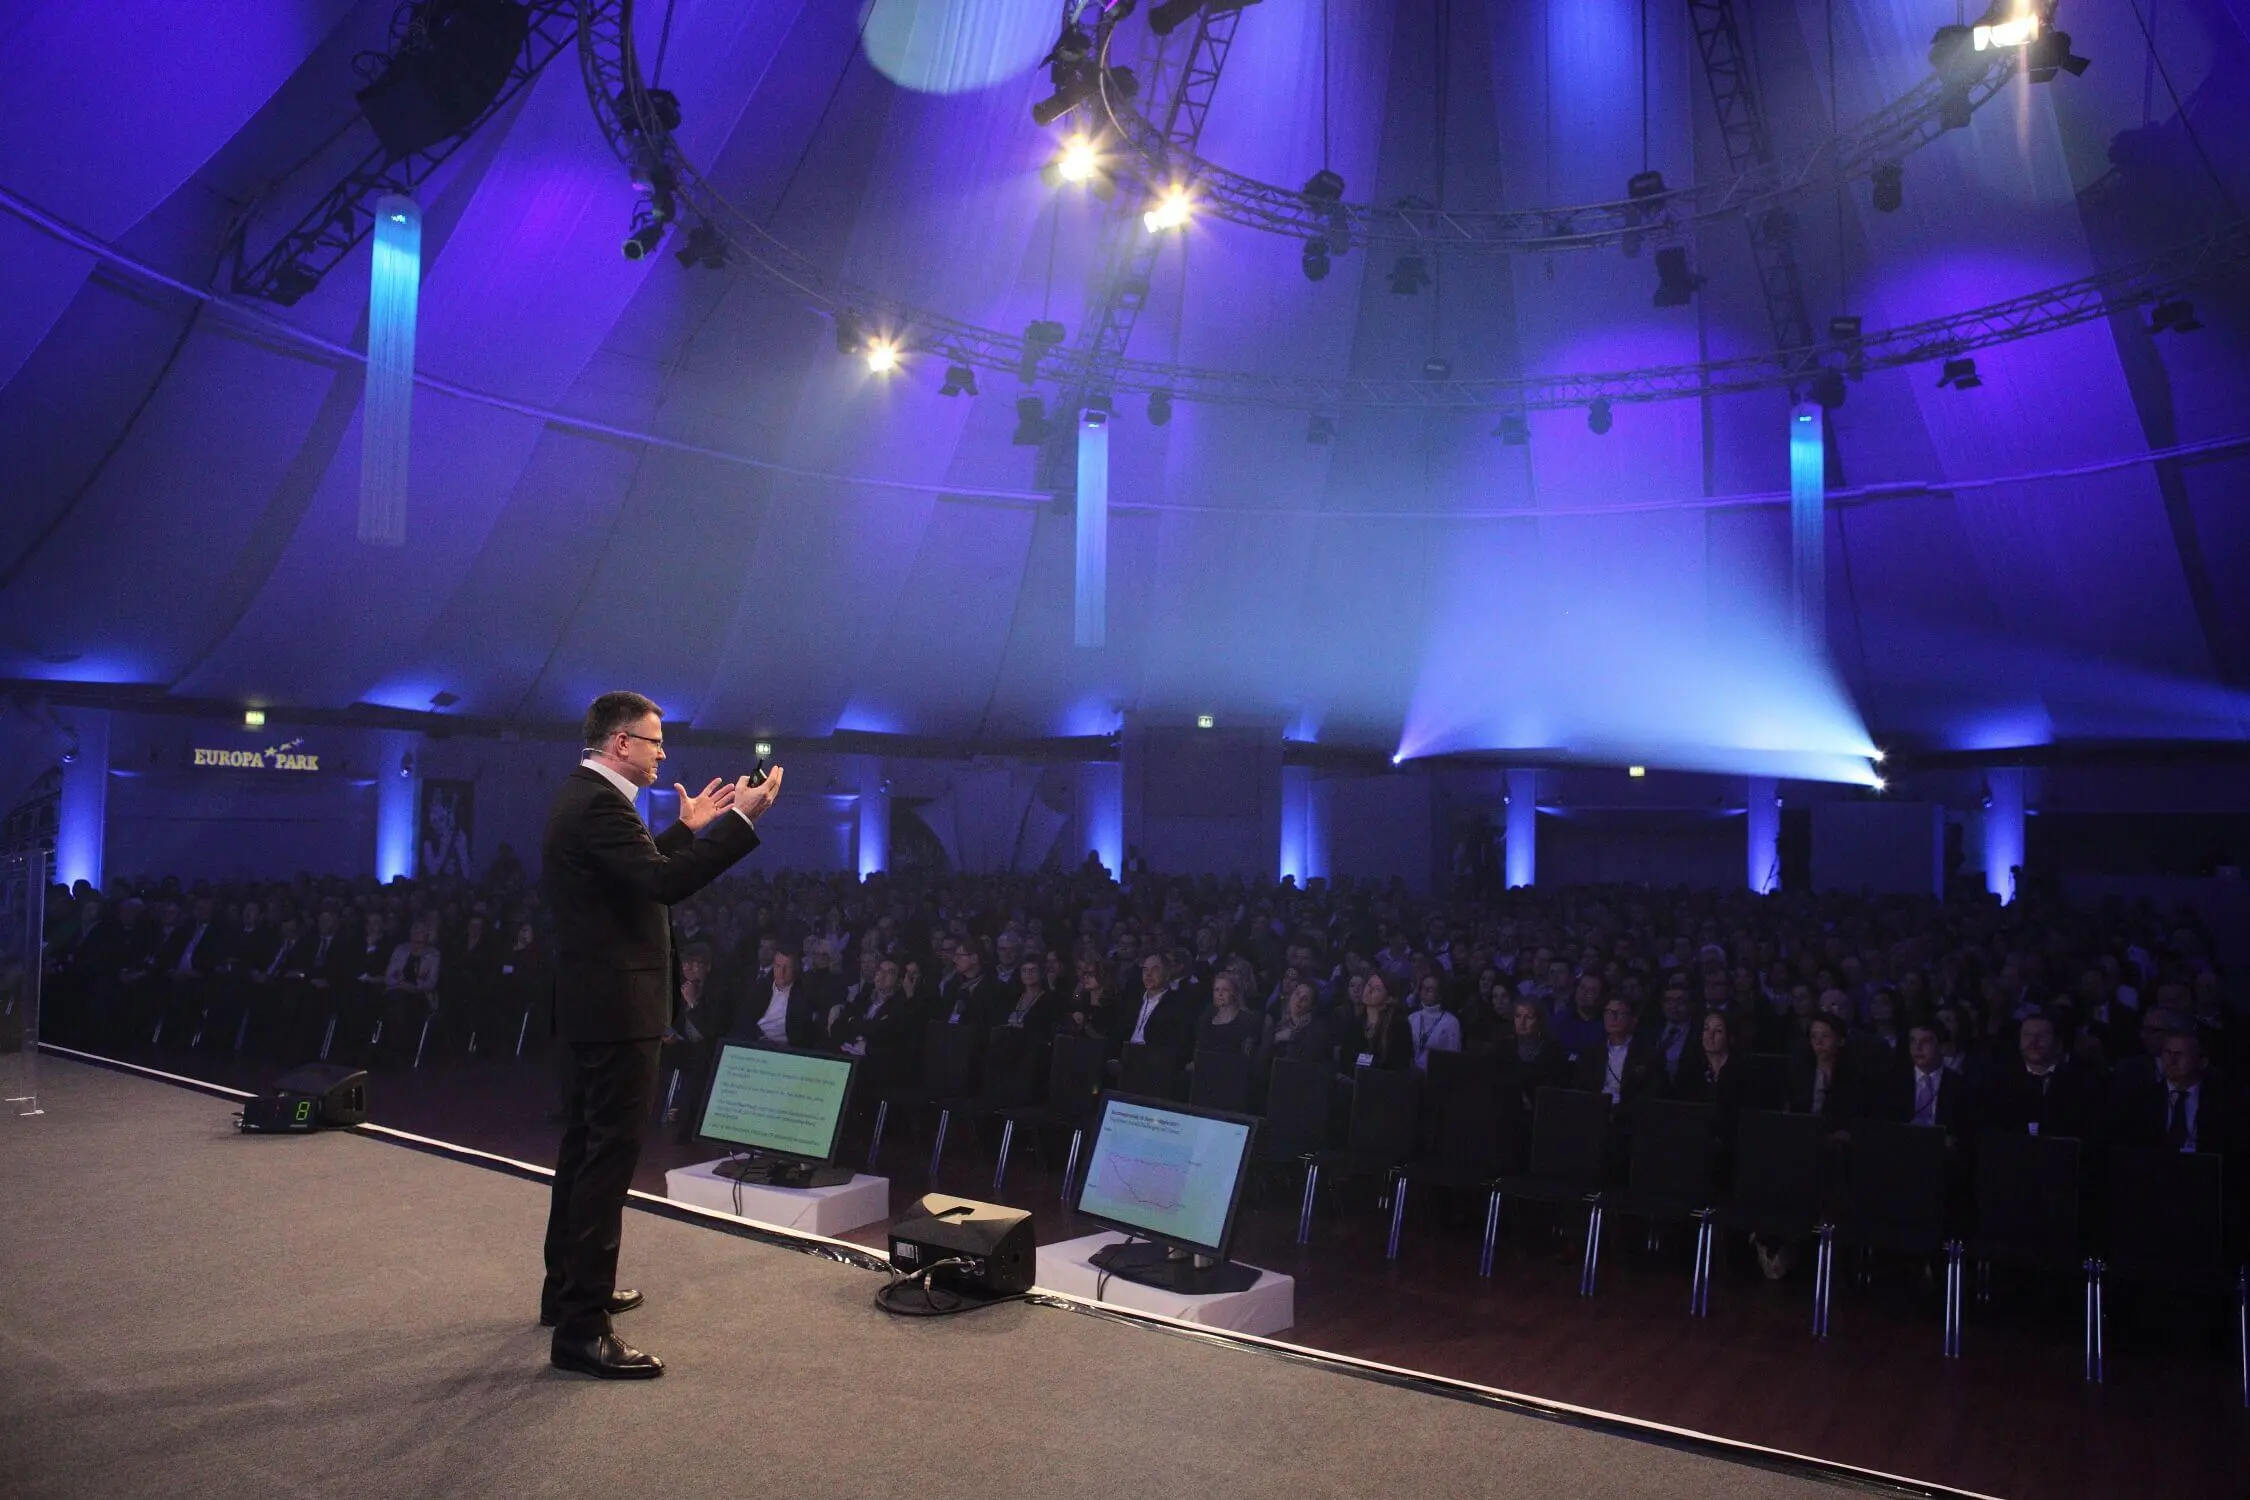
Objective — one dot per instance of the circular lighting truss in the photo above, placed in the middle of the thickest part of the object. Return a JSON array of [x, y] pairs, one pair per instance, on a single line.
[[638, 131], [1939, 103]]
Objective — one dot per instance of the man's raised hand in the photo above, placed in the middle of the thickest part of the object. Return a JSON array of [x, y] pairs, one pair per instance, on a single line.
[[752, 801], [697, 811]]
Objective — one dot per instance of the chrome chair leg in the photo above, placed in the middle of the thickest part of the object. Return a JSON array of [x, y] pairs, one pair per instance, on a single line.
[[2094, 1321], [1304, 1213], [937, 1147], [1070, 1164], [327, 1037], [1699, 1289], [523, 1029], [1824, 1271], [1491, 1232], [875, 1143], [1398, 1217], [1953, 1280], [424, 1039], [1593, 1250], [1000, 1168], [2242, 1328]]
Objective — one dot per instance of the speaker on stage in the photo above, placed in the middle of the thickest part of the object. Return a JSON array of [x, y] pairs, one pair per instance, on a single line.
[[992, 1241], [308, 1098]]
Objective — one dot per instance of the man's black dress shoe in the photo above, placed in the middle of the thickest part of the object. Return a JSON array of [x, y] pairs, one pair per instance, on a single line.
[[623, 1300], [606, 1356]]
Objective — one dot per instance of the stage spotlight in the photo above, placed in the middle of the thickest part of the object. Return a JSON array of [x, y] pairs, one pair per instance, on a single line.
[[1409, 274], [1031, 422], [648, 233], [1828, 388], [1078, 160], [882, 356], [1172, 211], [1675, 283], [1878, 755], [960, 380], [1320, 429], [705, 247], [1598, 417], [2174, 315], [2005, 25], [1070, 70], [1881, 786], [1889, 183], [1513, 430], [1159, 408], [1168, 16], [1315, 260], [1039, 336], [1324, 187], [2051, 52], [1960, 374]]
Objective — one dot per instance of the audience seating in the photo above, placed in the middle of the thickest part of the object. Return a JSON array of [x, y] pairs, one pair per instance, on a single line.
[[948, 1064], [1380, 1137], [1776, 1191], [2027, 1212], [2167, 1229], [1075, 1065], [1220, 1079], [1568, 1129], [1895, 1201], [1463, 1106], [1669, 1179]]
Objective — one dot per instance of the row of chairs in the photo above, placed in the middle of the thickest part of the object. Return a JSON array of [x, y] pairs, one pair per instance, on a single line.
[[2166, 1208]]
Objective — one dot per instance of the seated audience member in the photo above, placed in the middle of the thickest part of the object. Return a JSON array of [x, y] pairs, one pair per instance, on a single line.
[[777, 1011], [1824, 1083], [1090, 1011], [1675, 1033], [1485, 1023], [1709, 1074], [1578, 1026], [684, 1062], [1227, 1025], [1925, 1092], [2039, 1092], [410, 993], [2185, 1111], [1164, 1018], [973, 998], [274, 991], [1623, 1066], [1300, 1031], [1382, 1038], [1434, 1028], [2143, 1066], [879, 1027], [1031, 1009], [1533, 1059]]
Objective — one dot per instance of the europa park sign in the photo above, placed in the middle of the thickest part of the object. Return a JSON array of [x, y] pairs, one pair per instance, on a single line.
[[289, 756]]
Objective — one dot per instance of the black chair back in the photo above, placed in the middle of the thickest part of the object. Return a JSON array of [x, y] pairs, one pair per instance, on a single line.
[[2027, 1190], [1145, 1071], [2166, 1216], [1671, 1162], [1464, 1099], [1221, 1079], [1297, 1103], [1567, 1130], [1382, 1121], [1074, 1078], [1765, 1080], [1897, 1195], [1011, 1068], [949, 1057], [1777, 1167]]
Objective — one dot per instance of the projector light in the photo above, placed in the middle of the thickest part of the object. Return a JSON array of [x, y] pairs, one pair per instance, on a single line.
[[882, 356], [1172, 211]]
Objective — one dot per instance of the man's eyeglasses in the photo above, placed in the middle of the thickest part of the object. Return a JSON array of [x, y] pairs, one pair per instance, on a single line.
[[648, 739]]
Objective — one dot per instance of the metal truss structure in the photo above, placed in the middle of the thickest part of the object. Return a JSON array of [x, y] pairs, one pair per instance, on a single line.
[[1184, 89], [638, 134], [1758, 190], [1733, 81], [333, 227]]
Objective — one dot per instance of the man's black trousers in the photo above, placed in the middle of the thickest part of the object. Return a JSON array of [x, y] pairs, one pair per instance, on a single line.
[[607, 1094]]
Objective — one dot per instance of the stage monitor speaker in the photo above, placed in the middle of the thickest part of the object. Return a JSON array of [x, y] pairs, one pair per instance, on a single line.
[[434, 91], [992, 1239], [313, 1096]]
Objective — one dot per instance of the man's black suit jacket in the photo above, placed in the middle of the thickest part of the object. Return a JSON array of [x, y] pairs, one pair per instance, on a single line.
[[805, 1022], [1892, 1098], [607, 884]]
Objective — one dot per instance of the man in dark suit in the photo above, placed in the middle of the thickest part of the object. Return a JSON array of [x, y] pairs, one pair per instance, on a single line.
[[780, 1010], [2043, 1094], [608, 884], [2186, 1111], [1926, 1092], [1163, 1019]]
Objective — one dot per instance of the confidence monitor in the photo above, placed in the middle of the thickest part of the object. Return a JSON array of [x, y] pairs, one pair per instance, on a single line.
[[783, 1108], [1170, 1174]]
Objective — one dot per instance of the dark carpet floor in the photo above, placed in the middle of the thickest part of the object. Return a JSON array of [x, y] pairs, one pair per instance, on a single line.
[[185, 1312]]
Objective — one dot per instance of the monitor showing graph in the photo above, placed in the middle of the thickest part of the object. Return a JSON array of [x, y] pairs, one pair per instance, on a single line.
[[1167, 1172]]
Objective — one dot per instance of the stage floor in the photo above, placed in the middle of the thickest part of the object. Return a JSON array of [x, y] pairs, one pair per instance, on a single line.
[[192, 1312]]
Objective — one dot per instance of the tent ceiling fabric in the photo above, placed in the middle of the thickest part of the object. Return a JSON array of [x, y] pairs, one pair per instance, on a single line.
[[182, 490]]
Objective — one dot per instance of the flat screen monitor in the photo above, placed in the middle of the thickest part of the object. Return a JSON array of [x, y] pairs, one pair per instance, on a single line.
[[1170, 1173], [784, 1107]]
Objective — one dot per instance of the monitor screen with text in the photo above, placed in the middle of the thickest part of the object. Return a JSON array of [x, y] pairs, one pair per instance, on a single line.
[[782, 1103], [1167, 1171]]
